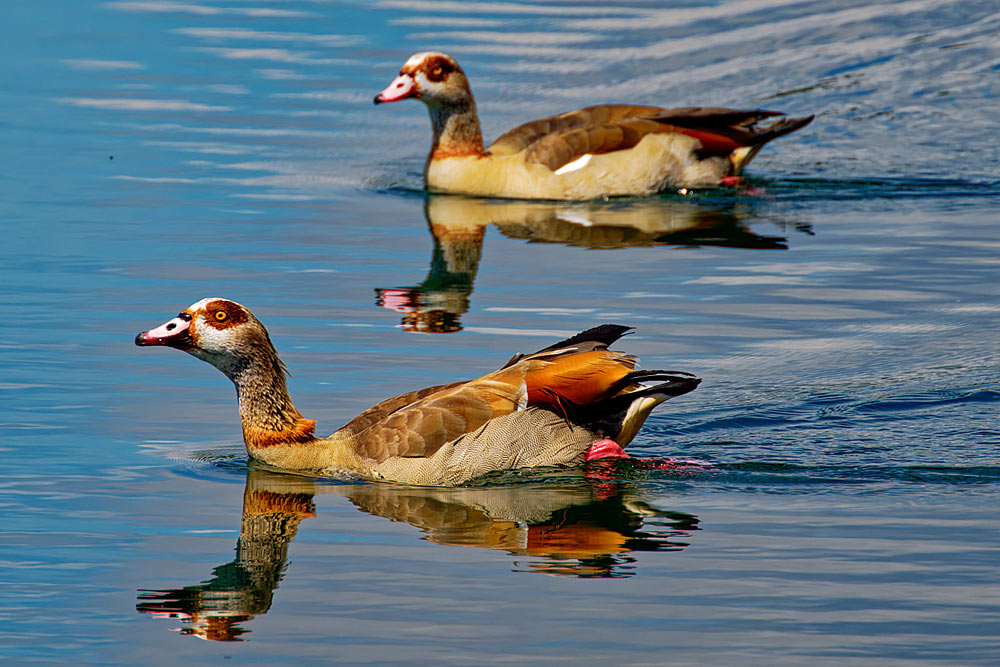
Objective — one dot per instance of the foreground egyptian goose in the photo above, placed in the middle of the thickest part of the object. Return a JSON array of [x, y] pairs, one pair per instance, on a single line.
[[608, 150], [573, 401]]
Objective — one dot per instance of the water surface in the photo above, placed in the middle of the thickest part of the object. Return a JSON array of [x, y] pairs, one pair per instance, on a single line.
[[843, 314]]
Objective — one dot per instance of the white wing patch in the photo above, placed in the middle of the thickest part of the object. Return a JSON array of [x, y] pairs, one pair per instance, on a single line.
[[578, 163]]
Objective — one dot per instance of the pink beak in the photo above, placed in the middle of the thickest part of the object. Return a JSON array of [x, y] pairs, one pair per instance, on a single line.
[[401, 88], [173, 333]]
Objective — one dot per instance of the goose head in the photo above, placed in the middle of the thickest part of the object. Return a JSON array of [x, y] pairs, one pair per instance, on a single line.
[[432, 77], [221, 332]]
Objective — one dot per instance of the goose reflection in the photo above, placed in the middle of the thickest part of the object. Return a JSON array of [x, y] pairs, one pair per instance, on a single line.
[[458, 226], [589, 529], [273, 506]]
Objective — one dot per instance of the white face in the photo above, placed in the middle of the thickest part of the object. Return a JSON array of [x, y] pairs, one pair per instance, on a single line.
[[215, 330], [212, 334], [430, 76]]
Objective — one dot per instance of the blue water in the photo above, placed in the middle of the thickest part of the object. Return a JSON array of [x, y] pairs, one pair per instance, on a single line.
[[844, 317]]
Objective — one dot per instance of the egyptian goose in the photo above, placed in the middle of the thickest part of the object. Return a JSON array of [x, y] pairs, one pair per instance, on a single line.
[[607, 150], [572, 401]]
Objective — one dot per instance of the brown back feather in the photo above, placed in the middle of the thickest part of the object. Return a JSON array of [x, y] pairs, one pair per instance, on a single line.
[[558, 140], [577, 371], [522, 136], [382, 410], [442, 414]]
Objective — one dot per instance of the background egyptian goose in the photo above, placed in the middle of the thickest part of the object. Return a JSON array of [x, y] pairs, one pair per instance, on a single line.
[[600, 151], [573, 401]]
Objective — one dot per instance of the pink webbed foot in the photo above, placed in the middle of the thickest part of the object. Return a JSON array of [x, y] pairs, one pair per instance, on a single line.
[[740, 182], [605, 449]]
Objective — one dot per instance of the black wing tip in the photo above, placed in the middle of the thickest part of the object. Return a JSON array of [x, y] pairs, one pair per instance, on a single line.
[[785, 119], [603, 333], [679, 386], [780, 128], [796, 123], [606, 334], [716, 117], [672, 383]]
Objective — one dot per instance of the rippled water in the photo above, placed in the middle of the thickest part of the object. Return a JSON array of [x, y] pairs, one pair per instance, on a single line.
[[840, 504]]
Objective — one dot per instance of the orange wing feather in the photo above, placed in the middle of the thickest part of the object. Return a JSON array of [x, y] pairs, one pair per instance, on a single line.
[[712, 143], [579, 378]]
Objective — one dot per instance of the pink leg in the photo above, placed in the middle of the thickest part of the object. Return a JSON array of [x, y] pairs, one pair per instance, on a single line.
[[605, 449], [733, 181]]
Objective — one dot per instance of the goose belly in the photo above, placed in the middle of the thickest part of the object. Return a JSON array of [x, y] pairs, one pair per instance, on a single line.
[[659, 162]]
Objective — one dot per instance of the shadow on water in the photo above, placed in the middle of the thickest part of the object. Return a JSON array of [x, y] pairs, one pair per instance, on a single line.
[[587, 530], [458, 226]]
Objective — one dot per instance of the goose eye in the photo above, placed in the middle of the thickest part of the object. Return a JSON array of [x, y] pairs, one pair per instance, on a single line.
[[221, 315], [437, 73]]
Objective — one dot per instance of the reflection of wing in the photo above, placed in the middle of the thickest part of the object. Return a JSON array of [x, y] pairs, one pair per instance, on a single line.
[[716, 233], [457, 225], [579, 531], [587, 529], [641, 222]]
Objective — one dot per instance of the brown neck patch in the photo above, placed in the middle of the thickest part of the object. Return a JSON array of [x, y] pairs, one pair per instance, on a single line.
[[460, 150], [300, 431], [272, 502]]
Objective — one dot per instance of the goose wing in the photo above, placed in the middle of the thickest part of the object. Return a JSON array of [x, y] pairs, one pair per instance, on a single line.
[[559, 140]]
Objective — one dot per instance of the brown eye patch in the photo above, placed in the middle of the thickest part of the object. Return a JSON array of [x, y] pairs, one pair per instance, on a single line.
[[225, 314], [437, 69]]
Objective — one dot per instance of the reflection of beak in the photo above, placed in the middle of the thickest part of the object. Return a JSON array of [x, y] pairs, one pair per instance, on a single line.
[[420, 314], [173, 333], [401, 300], [401, 88]]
